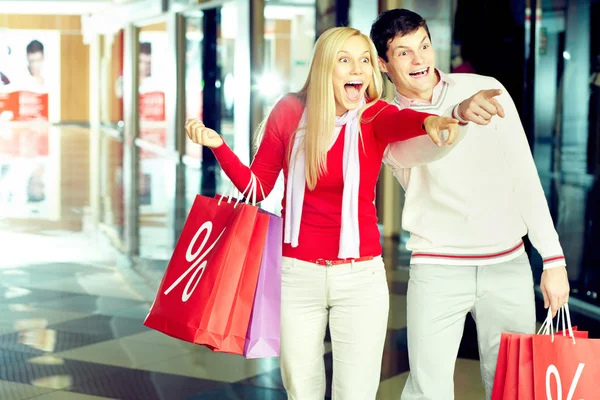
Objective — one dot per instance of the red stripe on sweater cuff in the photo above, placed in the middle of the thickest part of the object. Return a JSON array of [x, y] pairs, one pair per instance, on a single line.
[[552, 259]]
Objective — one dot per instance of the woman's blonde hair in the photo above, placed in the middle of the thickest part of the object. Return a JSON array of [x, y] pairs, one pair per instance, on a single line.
[[319, 100]]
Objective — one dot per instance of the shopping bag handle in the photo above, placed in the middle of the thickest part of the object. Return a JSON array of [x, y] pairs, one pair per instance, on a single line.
[[548, 326], [249, 192], [230, 193]]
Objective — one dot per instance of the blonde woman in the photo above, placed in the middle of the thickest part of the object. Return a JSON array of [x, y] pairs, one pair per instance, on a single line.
[[329, 141]]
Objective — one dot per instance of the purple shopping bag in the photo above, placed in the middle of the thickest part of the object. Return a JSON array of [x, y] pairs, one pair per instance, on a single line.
[[262, 338]]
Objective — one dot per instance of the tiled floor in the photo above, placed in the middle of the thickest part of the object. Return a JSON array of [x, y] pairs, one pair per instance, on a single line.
[[72, 329]]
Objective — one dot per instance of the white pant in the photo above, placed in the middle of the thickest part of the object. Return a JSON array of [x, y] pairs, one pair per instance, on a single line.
[[354, 299], [500, 298]]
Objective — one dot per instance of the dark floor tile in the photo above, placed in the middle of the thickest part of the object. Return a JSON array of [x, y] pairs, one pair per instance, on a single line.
[[90, 304], [42, 341], [134, 384], [395, 354], [8, 357], [270, 380], [55, 373], [102, 325], [241, 392], [399, 288], [395, 361]]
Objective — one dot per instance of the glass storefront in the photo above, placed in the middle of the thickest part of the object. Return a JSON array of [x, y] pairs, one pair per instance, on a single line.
[[289, 40], [158, 158], [209, 93], [111, 215], [567, 132]]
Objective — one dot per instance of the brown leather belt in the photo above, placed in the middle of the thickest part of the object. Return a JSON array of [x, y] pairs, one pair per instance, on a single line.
[[329, 263]]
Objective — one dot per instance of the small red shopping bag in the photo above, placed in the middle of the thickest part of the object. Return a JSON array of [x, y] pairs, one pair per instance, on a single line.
[[241, 309], [514, 370], [525, 382], [565, 368], [511, 382], [501, 367], [195, 297]]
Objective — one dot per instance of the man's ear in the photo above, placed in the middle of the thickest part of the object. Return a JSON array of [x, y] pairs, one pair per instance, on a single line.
[[382, 65]]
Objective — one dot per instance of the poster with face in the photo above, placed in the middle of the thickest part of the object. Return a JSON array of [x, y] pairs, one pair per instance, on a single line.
[[29, 75], [29, 146]]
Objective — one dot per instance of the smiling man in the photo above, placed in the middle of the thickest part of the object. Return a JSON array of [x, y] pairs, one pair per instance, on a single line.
[[467, 214]]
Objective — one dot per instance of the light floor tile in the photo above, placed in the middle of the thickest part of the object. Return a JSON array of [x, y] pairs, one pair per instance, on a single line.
[[18, 391], [30, 317], [105, 284], [215, 366], [126, 353], [158, 338], [467, 383]]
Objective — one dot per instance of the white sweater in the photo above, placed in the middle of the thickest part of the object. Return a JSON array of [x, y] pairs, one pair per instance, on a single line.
[[474, 204]]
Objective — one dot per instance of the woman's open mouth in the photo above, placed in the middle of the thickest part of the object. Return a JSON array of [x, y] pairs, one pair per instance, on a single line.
[[353, 90]]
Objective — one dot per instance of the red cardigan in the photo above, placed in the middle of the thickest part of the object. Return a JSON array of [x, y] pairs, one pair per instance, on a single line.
[[320, 225]]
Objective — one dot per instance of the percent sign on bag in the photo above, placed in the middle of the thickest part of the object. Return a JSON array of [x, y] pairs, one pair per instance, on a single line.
[[552, 371], [199, 261]]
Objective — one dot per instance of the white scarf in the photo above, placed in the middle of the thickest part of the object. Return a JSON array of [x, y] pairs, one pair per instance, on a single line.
[[296, 184]]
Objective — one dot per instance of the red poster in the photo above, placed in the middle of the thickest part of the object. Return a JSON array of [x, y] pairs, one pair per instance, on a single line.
[[24, 106], [152, 106]]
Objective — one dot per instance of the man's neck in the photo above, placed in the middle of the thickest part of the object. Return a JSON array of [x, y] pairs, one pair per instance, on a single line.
[[426, 96]]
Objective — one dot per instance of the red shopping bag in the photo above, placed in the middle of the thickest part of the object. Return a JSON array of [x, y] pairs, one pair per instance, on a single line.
[[197, 292], [239, 316], [511, 382], [501, 366], [525, 383], [564, 369], [514, 370]]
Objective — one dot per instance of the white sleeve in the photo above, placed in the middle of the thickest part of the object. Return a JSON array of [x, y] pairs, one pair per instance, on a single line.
[[527, 186], [421, 150]]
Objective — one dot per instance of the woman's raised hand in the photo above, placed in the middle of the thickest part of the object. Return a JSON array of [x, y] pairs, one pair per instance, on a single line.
[[202, 135]]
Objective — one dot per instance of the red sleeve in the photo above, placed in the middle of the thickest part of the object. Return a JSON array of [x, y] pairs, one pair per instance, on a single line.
[[390, 124], [270, 156]]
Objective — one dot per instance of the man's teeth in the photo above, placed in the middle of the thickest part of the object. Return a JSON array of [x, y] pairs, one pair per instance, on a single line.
[[419, 72]]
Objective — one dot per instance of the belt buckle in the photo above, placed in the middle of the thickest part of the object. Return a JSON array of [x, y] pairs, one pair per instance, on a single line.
[[328, 263]]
